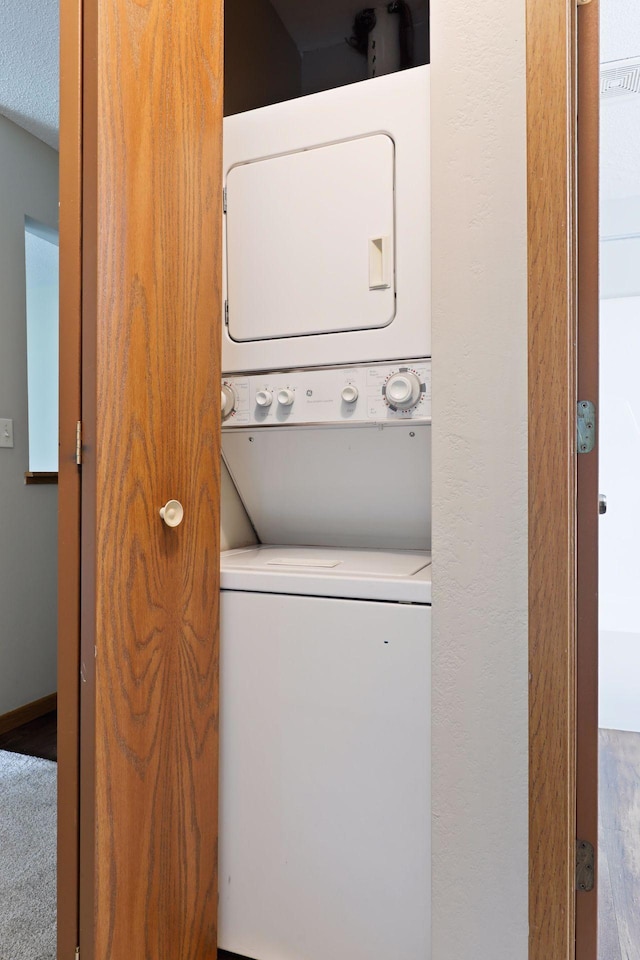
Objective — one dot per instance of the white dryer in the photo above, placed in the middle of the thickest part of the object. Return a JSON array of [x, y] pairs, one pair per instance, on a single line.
[[324, 754], [326, 228]]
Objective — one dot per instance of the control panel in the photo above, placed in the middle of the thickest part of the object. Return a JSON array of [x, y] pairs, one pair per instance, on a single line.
[[377, 393]]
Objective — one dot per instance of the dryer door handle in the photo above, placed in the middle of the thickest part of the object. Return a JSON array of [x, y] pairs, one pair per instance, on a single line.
[[380, 263]]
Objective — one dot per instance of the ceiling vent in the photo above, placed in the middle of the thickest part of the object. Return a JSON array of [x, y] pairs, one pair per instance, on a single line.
[[620, 79]]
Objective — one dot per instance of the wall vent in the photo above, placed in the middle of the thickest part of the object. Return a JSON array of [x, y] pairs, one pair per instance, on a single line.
[[620, 79]]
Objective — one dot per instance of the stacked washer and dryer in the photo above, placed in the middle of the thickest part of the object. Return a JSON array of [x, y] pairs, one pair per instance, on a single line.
[[325, 624]]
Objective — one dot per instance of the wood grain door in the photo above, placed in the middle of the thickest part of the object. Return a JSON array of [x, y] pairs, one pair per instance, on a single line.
[[152, 132]]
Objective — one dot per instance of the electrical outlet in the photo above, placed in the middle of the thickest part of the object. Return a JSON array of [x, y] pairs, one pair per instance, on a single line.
[[6, 433]]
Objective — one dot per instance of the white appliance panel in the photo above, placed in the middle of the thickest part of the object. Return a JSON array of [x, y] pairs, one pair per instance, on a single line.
[[318, 396], [310, 241], [388, 109], [400, 576], [324, 779], [341, 486]]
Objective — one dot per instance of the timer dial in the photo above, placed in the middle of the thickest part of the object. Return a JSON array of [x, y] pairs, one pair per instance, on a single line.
[[229, 400], [403, 390]]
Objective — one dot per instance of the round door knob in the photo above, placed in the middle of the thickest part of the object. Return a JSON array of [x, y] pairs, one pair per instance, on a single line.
[[402, 390], [172, 513], [350, 393], [286, 397], [264, 398], [229, 400]]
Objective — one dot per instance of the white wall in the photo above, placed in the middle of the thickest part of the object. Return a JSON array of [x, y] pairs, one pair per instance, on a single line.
[[619, 532], [28, 521], [480, 643]]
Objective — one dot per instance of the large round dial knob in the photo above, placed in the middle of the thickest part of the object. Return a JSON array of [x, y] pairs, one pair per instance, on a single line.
[[286, 397], [350, 393], [264, 398], [402, 390], [229, 400]]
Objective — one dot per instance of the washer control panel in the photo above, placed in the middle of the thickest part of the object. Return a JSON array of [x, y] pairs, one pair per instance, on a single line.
[[376, 392]]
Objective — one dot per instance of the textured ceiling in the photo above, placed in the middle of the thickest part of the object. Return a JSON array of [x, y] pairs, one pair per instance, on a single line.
[[29, 37], [619, 119]]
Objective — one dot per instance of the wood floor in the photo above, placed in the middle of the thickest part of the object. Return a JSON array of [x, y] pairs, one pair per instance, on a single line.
[[619, 846], [34, 739]]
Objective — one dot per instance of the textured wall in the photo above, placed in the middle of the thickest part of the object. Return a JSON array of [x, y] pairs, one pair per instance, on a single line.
[[28, 521], [480, 708]]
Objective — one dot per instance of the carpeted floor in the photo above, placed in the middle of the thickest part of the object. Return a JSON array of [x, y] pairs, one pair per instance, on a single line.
[[27, 858]]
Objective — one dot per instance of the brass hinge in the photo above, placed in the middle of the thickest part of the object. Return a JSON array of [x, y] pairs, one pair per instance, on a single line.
[[581, 3], [79, 443], [585, 865], [77, 953]]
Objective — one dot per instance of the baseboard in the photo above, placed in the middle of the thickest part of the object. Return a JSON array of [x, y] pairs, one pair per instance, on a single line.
[[30, 711]]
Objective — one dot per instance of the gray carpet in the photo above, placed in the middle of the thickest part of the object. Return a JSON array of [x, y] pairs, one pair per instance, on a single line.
[[27, 858]]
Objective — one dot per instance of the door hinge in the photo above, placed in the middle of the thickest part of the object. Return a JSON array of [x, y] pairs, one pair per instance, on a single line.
[[77, 957], [224, 200], [581, 3], [585, 865], [586, 426], [226, 313], [79, 443]]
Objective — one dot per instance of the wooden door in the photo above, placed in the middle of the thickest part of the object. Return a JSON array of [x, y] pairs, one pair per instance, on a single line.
[[151, 244]]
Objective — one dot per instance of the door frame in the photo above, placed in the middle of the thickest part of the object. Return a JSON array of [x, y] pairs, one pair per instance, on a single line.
[[552, 288], [551, 58], [588, 195], [562, 81]]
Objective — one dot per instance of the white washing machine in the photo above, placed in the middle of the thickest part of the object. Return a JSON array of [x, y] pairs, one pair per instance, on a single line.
[[325, 666], [324, 754], [326, 230]]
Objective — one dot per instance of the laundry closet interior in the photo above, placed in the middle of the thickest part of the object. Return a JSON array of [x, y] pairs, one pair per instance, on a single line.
[[325, 651]]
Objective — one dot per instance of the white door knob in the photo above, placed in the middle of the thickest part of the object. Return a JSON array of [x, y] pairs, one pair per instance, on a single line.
[[172, 513]]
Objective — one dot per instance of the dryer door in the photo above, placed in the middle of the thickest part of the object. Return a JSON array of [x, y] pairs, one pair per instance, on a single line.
[[319, 258]]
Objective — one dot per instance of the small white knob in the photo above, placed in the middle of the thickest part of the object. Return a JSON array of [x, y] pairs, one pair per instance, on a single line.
[[172, 513], [264, 398], [350, 393], [286, 397]]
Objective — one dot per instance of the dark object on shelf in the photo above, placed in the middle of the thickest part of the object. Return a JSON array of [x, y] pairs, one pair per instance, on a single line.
[[365, 22]]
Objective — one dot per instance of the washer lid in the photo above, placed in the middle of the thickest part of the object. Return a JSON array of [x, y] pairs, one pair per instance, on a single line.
[[392, 575], [319, 258]]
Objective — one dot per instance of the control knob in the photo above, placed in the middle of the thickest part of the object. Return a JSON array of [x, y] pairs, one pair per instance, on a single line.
[[402, 390], [229, 400], [350, 393], [264, 398], [286, 397]]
